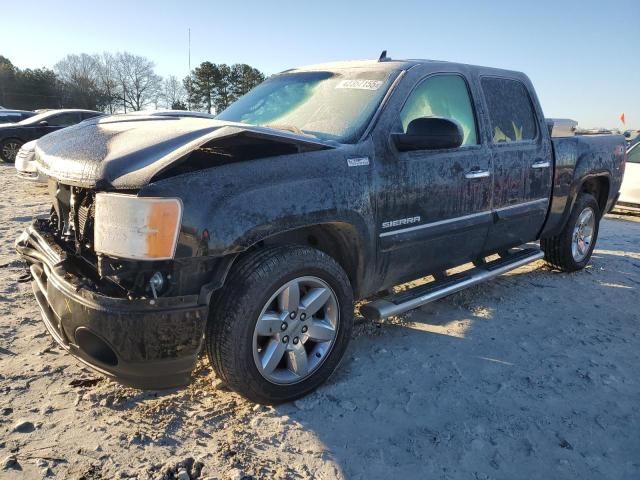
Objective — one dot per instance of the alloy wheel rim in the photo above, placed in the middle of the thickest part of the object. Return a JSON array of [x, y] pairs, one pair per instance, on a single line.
[[583, 234], [10, 150], [296, 330]]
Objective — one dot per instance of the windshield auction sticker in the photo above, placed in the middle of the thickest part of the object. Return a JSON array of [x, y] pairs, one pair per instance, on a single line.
[[360, 84]]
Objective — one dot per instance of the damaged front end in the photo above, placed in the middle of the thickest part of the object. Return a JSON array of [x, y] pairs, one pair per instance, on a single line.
[[99, 310], [123, 283], [138, 321]]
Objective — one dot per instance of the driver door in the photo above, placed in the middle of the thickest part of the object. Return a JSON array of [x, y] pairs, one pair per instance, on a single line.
[[435, 211]]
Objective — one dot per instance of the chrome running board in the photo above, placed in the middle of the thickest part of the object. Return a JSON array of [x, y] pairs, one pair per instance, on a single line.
[[423, 294]]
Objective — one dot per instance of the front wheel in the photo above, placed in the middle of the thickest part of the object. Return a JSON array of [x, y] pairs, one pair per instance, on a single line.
[[280, 326], [9, 150], [571, 249]]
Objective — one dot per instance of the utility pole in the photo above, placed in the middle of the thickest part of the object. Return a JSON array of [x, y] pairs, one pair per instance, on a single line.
[[189, 77]]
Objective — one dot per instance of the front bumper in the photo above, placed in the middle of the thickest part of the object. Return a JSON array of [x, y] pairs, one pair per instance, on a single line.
[[32, 176], [27, 169], [145, 343]]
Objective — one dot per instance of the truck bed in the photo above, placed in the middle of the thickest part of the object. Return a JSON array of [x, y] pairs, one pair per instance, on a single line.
[[581, 158]]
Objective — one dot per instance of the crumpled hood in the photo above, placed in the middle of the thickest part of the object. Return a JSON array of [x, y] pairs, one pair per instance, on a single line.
[[126, 152]]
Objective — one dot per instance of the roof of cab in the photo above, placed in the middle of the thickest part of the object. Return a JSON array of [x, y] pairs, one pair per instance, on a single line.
[[390, 64], [397, 64]]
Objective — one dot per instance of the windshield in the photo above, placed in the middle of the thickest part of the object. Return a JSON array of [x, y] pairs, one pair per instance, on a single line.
[[333, 105]]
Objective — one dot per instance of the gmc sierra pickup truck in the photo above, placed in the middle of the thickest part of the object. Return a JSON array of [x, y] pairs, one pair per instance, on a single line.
[[250, 236]]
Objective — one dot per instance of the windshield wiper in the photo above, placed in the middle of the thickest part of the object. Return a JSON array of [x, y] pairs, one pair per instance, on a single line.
[[288, 128]]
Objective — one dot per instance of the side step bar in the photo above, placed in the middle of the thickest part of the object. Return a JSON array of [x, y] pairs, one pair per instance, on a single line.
[[423, 294]]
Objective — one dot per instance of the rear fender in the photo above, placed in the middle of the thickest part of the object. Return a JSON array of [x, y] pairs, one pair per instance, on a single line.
[[577, 160]]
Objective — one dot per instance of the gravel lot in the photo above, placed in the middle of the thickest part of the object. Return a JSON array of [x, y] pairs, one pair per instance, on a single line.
[[532, 376]]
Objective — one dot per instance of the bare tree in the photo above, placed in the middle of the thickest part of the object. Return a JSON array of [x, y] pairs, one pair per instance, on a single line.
[[173, 92], [79, 75], [138, 81], [108, 81], [123, 82]]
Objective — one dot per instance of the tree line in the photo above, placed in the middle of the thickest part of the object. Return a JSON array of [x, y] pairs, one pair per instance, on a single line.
[[123, 82]]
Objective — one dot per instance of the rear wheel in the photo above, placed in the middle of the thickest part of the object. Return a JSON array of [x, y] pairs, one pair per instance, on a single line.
[[9, 149], [281, 324], [571, 249]]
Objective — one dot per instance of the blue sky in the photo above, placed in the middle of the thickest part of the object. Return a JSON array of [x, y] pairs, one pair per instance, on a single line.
[[581, 56]]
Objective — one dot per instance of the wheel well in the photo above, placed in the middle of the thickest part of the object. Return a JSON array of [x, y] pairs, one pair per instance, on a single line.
[[599, 188], [12, 138], [338, 240]]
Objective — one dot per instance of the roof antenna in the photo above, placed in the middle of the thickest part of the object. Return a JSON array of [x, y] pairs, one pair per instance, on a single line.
[[383, 56]]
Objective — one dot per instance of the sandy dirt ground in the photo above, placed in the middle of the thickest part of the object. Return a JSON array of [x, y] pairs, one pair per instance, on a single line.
[[532, 376]]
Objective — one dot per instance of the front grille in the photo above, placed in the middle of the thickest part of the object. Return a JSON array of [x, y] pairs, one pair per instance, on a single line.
[[73, 215], [71, 228], [86, 211]]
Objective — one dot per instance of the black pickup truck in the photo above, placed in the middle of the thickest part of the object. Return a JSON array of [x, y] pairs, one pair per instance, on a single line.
[[251, 235]]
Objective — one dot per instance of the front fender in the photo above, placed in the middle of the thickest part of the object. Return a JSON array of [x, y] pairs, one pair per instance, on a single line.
[[230, 208], [255, 215]]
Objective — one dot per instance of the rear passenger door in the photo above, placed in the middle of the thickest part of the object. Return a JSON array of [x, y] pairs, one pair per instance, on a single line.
[[56, 122], [522, 169], [87, 115], [63, 120]]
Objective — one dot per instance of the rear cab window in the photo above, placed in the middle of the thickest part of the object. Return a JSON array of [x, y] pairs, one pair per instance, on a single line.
[[511, 114], [446, 96]]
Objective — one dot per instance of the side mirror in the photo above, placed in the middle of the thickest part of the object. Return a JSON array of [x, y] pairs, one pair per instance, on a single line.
[[627, 134], [429, 133], [44, 123]]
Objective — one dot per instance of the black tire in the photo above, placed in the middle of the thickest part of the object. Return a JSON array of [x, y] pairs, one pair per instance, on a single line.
[[236, 308], [558, 249], [3, 147]]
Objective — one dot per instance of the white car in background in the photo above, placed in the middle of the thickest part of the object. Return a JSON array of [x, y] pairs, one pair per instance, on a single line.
[[630, 189], [26, 163]]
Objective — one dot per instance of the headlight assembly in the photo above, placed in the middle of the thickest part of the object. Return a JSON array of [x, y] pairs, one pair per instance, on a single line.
[[136, 228]]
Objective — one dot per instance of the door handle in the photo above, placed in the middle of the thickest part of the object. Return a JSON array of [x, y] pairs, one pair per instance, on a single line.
[[541, 164], [477, 174]]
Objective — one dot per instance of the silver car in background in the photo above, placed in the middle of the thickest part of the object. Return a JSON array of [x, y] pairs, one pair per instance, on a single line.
[[25, 163]]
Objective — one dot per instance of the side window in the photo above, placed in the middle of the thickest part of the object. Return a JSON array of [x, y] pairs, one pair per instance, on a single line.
[[64, 120], [634, 155], [442, 96], [510, 110], [10, 117]]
